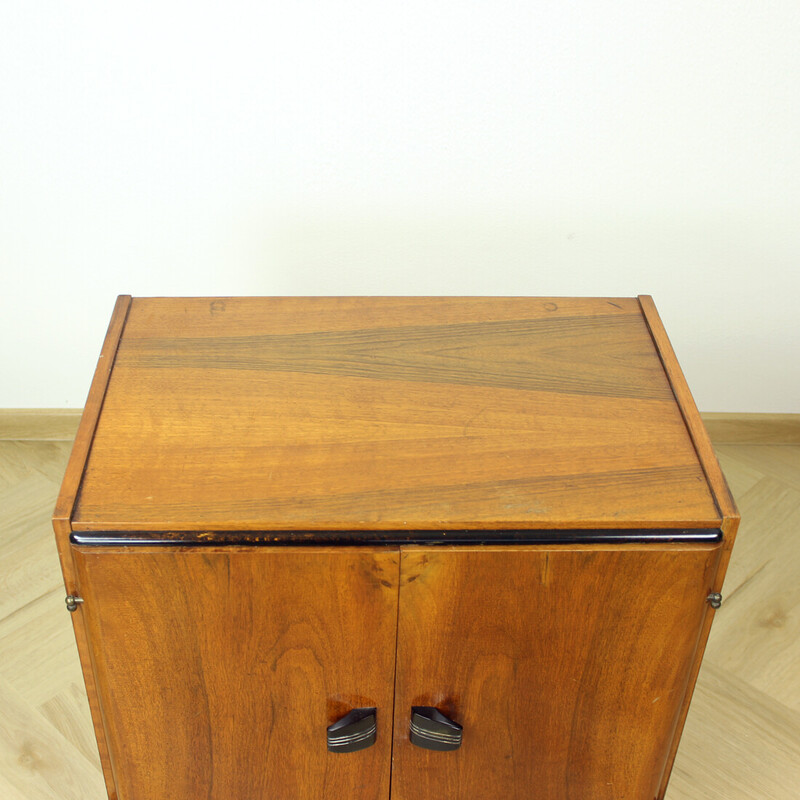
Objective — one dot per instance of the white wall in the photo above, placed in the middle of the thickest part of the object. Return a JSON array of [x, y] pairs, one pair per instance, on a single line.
[[424, 147]]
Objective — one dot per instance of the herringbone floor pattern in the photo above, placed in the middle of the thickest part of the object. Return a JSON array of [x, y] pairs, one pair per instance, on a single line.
[[742, 738]]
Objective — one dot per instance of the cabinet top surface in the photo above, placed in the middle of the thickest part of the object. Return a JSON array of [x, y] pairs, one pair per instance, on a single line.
[[389, 413]]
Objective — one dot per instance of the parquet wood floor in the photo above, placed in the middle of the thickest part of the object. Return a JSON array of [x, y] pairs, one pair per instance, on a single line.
[[742, 737]]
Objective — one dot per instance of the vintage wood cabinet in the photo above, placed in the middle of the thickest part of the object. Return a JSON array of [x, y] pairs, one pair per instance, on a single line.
[[447, 548]]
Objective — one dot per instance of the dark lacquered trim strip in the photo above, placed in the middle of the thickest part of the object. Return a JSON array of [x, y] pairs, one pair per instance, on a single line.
[[354, 538]]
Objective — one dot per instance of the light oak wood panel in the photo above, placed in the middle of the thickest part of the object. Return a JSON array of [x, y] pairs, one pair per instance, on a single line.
[[43, 757], [249, 657], [45, 765], [30, 473], [566, 667], [738, 743], [39, 424], [744, 428], [777, 461], [33, 663], [740, 477], [66, 711], [759, 640]]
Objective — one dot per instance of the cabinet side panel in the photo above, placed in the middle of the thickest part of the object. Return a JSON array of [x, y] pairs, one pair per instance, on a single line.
[[716, 481], [62, 515], [566, 667], [220, 670]]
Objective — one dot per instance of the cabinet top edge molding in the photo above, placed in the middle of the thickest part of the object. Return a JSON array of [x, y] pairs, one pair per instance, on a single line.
[[378, 413]]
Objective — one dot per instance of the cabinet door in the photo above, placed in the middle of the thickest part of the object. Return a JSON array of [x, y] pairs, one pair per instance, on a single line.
[[566, 667], [219, 669]]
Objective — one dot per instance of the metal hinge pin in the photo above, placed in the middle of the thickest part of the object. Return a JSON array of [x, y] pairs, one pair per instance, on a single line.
[[72, 602], [714, 599]]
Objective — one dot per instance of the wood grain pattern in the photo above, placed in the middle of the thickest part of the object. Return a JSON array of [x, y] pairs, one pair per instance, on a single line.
[[491, 353], [742, 734], [39, 424], [65, 504], [694, 423], [91, 413], [752, 428], [61, 425], [567, 667], [382, 413], [210, 316], [716, 481], [351, 415], [219, 670]]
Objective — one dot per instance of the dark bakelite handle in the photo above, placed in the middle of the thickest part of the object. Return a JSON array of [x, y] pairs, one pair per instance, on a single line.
[[355, 731], [433, 730]]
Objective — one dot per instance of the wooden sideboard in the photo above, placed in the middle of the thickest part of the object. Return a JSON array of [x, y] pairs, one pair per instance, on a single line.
[[460, 548]]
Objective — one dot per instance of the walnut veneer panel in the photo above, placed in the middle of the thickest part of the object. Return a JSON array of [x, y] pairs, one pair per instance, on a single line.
[[390, 413], [219, 669], [567, 668]]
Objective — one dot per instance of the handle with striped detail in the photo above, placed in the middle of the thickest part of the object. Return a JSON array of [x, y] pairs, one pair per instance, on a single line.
[[354, 731], [433, 730]]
